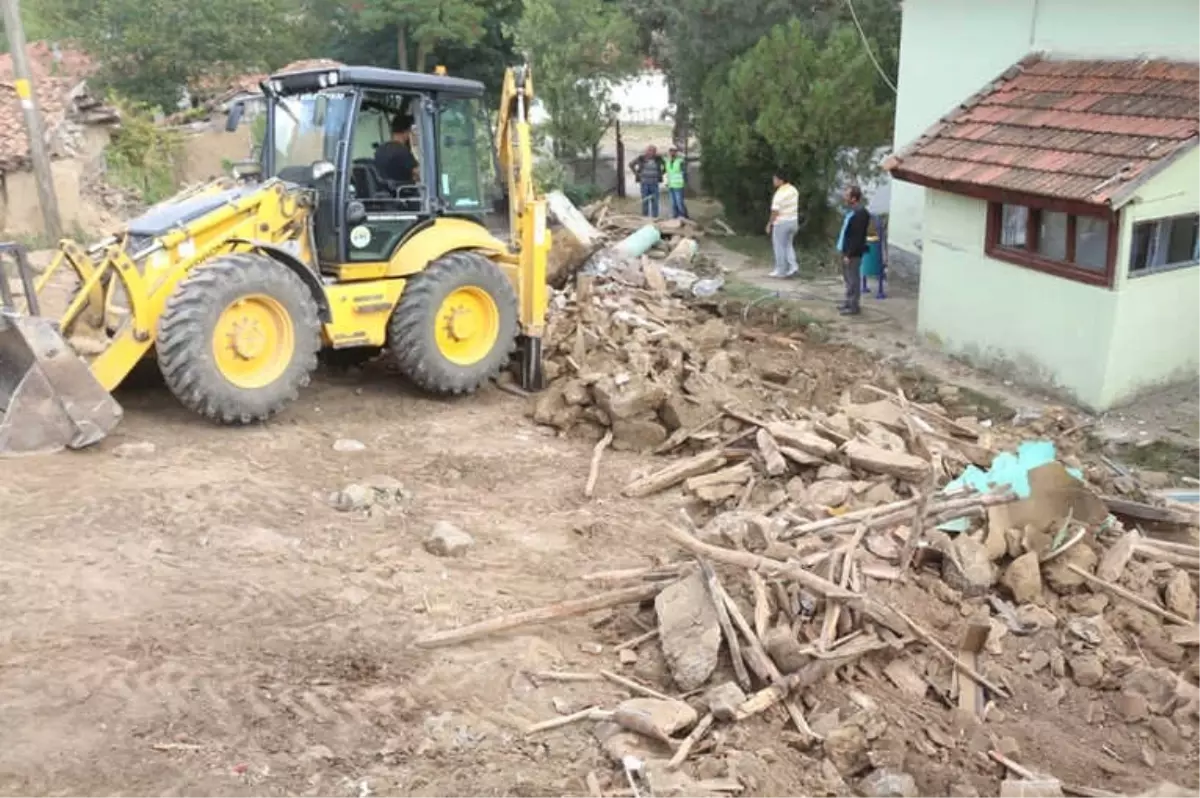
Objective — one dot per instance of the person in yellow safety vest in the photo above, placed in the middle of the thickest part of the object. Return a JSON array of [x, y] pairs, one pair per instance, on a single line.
[[676, 181]]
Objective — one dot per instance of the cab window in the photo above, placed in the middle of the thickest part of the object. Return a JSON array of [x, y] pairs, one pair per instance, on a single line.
[[461, 156]]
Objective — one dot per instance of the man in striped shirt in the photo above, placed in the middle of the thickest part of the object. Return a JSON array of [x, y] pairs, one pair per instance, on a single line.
[[784, 223]]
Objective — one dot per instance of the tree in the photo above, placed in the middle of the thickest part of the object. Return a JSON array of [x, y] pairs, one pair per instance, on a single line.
[[577, 48], [794, 103], [150, 49], [423, 24]]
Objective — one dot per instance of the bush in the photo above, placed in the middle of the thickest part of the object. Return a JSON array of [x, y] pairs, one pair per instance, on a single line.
[[143, 156], [795, 104]]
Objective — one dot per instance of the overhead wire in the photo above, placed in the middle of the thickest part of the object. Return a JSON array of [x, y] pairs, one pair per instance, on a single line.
[[867, 46]]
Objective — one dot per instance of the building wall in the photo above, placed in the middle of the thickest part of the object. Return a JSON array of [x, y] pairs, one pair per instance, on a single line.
[[1156, 335], [1027, 326], [950, 49]]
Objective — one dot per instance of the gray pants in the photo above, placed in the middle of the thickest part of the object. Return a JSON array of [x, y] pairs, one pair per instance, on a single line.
[[783, 236], [853, 282]]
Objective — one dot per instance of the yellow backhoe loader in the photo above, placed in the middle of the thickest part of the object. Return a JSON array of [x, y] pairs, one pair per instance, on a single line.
[[238, 286]]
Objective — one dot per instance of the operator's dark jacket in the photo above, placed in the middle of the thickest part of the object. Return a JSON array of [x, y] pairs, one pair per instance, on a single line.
[[854, 245]]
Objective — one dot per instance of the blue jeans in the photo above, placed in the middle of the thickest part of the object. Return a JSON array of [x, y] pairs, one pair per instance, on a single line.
[[678, 208], [650, 199]]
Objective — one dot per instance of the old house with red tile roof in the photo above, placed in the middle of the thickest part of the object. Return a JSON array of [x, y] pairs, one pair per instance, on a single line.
[[75, 123], [1059, 225]]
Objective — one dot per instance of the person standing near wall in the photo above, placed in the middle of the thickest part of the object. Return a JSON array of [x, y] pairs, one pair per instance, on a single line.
[[649, 169], [852, 244], [676, 168], [783, 225]]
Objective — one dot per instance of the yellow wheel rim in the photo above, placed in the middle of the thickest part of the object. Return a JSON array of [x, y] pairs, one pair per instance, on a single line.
[[253, 341], [467, 326]]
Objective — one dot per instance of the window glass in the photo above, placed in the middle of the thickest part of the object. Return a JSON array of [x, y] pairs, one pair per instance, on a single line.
[[1091, 243], [1052, 235], [459, 156], [1164, 242], [1014, 226]]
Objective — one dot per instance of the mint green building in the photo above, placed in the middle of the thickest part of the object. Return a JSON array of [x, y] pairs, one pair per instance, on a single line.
[[1059, 192]]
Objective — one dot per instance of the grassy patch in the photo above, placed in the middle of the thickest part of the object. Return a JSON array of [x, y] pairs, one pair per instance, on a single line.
[[1160, 456]]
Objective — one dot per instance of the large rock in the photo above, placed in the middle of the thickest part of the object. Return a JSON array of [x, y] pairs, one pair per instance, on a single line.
[[637, 434], [829, 493], [665, 717], [1087, 670], [785, 650], [885, 783], [970, 569], [723, 701], [1179, 596], [688, 631], [637, 397], [447, 540], [552, 408], [710, 335], [1023, 578], [1060, 577]]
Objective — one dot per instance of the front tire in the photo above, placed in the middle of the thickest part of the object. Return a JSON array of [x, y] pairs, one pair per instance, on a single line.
[[238, 339], [455, 325]]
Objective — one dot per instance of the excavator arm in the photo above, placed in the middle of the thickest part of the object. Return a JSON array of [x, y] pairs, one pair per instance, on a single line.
[[530, 239]]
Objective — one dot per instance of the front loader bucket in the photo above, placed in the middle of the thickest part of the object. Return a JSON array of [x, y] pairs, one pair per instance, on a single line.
[[49, 398]]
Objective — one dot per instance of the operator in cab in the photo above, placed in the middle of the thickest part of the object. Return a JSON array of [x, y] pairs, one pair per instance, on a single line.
[[394, 160]]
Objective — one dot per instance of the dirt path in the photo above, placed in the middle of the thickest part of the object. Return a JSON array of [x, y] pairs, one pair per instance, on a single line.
[[208, 599]]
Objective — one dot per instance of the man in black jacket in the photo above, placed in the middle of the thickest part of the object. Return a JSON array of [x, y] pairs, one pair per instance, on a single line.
[[852, 244]]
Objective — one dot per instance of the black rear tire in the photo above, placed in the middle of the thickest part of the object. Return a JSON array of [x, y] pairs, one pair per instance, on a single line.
[[413, 329], [187, 348]]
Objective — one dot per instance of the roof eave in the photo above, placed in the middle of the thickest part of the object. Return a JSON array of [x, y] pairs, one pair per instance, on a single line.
[[1002, 195], [1128, 190]]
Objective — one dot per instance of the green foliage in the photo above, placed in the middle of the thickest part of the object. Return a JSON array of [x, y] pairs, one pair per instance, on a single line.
[[792, 102], [142, 155], [427, 23], [578, 48]]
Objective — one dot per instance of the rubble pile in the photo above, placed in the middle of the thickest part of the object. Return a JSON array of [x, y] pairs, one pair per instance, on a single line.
[[887, 577]]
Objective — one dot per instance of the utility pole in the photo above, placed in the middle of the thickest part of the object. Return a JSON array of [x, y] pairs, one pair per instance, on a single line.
[[23, 83]]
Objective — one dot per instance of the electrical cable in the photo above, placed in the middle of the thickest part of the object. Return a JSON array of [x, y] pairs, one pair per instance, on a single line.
[[867, 46]]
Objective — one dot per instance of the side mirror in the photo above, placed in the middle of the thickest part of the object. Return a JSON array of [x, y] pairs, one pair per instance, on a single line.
[[322, 170], [236, 112], [356, 213]]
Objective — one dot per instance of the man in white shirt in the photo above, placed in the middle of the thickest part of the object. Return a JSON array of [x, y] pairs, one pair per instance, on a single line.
[[784, 223]]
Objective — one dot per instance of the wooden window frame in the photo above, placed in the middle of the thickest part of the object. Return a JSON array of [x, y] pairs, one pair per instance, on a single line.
[[1029, 257]]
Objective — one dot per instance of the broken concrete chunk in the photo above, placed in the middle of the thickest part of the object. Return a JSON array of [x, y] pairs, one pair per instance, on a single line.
[[637, 434], [785, 650], [552, 409], [689, 631], [885, 783], [353, 497], [1087, 670], [1179, 596], [723, 700], [655, 717], [907, 467], [637, 397], [773, 459], [1058, 574], [797, 437], [829, 493], [447, 540], [834, 471], [968, 567], [846, 748], [1031, 788], [710, 335], [1023, 578]]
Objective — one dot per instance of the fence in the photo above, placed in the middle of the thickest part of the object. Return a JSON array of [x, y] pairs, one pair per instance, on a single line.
[[603, 175]]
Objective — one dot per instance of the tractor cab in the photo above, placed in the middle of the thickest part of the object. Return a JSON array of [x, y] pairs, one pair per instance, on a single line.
[[385, 152]]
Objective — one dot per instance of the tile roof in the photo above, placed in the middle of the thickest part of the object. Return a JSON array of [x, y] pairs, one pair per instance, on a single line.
[[58, 73], [1076, 130], [219, 86]]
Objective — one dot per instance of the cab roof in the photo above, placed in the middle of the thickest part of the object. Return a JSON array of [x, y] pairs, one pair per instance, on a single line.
[[314, 78]]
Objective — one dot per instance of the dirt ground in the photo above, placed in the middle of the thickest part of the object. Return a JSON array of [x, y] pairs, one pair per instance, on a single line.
[[200, 619]]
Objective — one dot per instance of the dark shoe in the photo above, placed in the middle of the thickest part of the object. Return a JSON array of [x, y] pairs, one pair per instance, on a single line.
[[850, 311]]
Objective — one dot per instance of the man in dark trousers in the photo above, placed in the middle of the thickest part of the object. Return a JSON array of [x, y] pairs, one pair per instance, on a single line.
[[852, 244], [649, 168], [394, 160]]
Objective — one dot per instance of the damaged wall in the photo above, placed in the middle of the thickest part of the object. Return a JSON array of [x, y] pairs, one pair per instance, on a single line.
[[20, 211], [950, 49], [1029, 326]]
